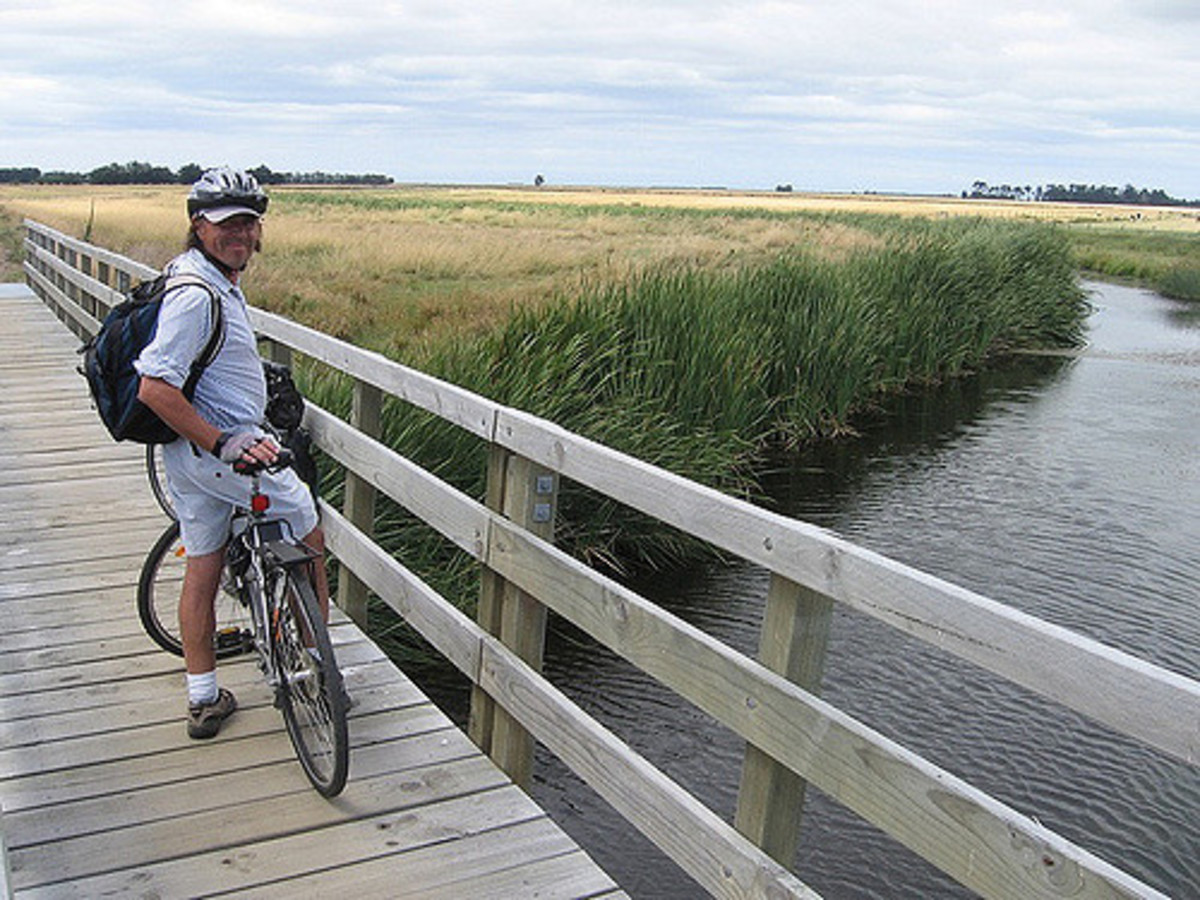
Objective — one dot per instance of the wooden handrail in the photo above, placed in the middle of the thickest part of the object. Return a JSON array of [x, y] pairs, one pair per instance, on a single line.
[[972, 837]]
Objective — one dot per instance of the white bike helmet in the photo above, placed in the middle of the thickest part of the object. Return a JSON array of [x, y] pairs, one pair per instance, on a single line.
[[224, 192]]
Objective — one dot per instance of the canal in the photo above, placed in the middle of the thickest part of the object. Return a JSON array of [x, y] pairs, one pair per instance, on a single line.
[[1067, 487]]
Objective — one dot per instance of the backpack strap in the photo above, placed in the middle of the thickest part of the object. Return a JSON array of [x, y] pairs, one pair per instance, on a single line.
[[216, 337]]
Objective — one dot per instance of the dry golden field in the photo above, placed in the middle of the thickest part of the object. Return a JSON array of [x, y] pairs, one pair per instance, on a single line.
[[394, 268]]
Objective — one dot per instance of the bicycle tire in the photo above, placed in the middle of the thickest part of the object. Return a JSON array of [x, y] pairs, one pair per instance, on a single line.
[[158, 601], [158, 487], [311, 695]]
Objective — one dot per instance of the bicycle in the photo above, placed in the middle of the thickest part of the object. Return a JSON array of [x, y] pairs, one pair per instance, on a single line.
[[266, 603]]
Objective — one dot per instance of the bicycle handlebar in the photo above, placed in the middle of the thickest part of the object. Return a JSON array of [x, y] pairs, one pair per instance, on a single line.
[[283, 460]]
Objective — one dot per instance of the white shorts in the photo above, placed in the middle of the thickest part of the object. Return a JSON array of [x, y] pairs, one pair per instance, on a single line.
[[206, 491]]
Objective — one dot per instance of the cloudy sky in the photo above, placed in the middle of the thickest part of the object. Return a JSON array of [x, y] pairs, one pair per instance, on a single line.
[[845, 95]]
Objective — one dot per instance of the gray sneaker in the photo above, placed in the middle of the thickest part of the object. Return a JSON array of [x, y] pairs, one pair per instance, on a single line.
[[204, 719]]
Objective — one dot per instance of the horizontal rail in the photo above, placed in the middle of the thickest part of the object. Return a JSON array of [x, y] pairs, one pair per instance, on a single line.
[[984, 844], [722, 860], [1130, 695], [450, 402]]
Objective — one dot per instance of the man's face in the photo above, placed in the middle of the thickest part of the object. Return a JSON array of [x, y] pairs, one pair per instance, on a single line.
[[232, 241]]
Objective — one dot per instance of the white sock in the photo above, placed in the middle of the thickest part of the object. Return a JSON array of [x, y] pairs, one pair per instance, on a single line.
[[202, 688]]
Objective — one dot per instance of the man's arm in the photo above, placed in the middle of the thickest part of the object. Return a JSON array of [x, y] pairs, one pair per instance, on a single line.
[[174, 408]]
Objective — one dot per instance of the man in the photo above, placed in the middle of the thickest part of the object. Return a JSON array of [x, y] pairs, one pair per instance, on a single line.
[[219, 425]]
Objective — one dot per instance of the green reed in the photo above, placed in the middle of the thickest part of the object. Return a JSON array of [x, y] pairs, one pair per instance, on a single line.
[[701, 372]]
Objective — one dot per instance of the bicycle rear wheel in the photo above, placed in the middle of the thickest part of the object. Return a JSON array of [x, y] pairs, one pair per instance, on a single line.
[[311, 696], [158, 601], [156, 473]]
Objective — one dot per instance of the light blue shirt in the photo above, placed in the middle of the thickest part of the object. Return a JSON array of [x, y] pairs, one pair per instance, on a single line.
[[232, 392]]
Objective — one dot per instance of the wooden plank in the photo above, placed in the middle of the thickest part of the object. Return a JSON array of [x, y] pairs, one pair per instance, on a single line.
[[99, 255], [81, 322], [392, 711], [34, 473], [48, 612], [724, 862], [63, 542], [297, 810], [91, 646], [562, 877], [454, 635], [36, 458], [445, 865], [459, 518], [275, 772], [71, 629], [124, 564], [66, 511], [359, 496], [390, 838], [113, 685], [528, 501]]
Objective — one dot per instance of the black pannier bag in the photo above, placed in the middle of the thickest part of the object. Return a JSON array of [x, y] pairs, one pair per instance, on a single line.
[[285, 410]]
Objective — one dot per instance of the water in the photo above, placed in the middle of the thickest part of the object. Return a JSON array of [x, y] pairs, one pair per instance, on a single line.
[[1068, 488]]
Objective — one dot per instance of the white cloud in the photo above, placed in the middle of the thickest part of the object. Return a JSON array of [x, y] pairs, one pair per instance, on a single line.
[[900, 95]]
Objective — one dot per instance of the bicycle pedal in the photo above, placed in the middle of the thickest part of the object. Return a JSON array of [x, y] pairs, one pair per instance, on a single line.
[[229, 639]]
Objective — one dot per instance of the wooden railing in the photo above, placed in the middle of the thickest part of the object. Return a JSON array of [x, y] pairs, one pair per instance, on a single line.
[[793, 737]]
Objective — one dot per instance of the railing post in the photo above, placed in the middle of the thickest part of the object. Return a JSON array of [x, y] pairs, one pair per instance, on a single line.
[[525, 493], [482, 718], [795, 634], [358, 505]]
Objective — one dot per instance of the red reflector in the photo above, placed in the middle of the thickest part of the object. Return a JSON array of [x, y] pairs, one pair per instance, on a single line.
[[260, 503]]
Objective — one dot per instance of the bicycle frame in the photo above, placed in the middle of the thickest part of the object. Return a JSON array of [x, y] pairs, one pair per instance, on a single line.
[[264, 540]]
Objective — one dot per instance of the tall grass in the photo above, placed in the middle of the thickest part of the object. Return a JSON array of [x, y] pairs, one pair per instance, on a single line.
[[12, 237], [701, 371]]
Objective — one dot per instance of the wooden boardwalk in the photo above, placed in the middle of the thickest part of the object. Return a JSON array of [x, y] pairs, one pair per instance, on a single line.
[[103, 793]]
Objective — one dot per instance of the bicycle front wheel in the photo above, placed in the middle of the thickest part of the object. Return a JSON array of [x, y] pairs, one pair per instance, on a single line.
[[311, 696], [158, 601]]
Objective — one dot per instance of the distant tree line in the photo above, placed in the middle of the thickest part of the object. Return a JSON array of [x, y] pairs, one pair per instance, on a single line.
[[1075, 193], [145, 173]]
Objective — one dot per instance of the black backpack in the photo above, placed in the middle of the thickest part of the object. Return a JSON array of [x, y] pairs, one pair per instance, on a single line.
[[109, 356]]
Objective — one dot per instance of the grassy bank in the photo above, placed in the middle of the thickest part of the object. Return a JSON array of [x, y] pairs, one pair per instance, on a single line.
[[701, 371], [1167, 261]]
